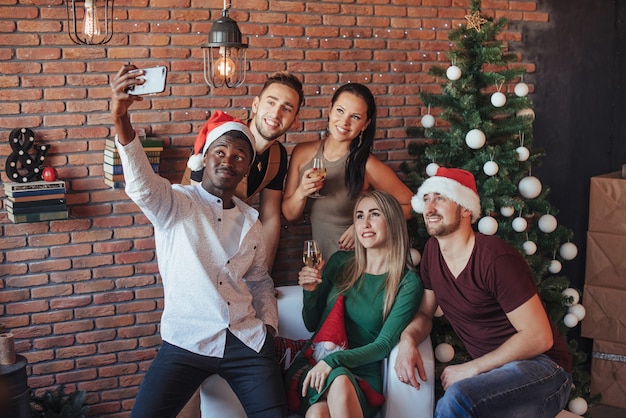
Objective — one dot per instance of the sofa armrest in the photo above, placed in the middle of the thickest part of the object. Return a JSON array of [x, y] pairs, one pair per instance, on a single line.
[[402, 400]]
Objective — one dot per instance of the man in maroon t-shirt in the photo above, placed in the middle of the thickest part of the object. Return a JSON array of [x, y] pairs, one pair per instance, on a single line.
[[520, 363]]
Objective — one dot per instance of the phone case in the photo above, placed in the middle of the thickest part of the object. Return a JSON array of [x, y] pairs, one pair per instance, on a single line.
[[155, 81]]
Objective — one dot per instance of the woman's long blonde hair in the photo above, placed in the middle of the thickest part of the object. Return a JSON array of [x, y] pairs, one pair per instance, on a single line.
[[398, 246]]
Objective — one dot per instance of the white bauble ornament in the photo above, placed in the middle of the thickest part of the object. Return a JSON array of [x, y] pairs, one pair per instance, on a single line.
[[578, 310], [530, 187], [568, 251], [438, 312], [578, 406], [521, 89], [491, 168], [519, 224], [475, 139], [555, 266], [507, 211], [571, 293], [416, 257], [431, 169], [487, 225], [444, 352], [428, 121], [570, 320], [529, 247], [522, 153], [453, 72], [498, 99], [526, 112], [547, 223]]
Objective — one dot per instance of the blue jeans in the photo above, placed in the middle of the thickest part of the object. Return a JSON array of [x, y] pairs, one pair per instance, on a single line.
[[521, 389], [175, 374]]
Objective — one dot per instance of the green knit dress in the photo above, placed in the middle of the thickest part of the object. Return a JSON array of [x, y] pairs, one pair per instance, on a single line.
[[370, 340]]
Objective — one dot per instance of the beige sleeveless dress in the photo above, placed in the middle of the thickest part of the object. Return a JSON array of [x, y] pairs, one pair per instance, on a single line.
[[331, 216]]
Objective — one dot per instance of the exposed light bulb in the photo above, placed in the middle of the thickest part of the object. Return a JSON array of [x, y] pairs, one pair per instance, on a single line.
[[224, 67], [91, 26]]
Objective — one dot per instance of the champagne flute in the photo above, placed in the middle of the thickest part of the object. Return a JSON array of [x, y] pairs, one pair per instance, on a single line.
[[311, 256], [318, 164]]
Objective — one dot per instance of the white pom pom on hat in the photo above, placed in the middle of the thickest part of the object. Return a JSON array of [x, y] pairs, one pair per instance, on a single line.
[[217, 125], [195, 162], [456, 184]]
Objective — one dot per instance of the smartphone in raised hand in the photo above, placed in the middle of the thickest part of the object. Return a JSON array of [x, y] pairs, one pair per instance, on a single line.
[[154, 81]]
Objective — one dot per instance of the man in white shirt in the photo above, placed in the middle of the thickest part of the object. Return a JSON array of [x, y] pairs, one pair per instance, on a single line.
[[220, 312]]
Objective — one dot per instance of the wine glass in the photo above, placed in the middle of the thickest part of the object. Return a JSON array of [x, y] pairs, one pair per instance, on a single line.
[[318, 164], [311, 256]]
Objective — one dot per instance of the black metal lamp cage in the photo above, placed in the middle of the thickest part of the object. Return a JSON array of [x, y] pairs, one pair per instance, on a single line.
[[224, 54], [90, 22]]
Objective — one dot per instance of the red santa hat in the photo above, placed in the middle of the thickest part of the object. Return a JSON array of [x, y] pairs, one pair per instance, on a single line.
[[217, 125], [334, 329], [454, 183]]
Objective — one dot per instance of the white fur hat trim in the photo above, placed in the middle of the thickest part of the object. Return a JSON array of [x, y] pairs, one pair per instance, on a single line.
[[218, 124], [452, 189]]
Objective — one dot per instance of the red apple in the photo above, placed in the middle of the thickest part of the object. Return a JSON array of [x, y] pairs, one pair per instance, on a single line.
[[49, 174]]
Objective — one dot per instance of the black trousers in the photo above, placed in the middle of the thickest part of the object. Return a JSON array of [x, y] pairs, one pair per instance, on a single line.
[[175, 374]]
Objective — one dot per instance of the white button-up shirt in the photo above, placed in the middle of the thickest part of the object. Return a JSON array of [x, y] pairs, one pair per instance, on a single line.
[[205, 291]]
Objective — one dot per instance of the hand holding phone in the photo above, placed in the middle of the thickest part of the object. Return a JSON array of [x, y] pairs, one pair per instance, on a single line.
[[154, 81]]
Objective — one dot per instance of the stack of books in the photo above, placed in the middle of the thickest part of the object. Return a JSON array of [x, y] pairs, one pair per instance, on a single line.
[[36, 201], [113, 173]]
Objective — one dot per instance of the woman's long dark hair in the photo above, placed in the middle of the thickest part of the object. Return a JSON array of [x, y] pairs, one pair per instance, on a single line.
[[359, 148]]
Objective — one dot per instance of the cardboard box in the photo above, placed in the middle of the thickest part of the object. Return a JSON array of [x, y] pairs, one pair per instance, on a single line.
[[607, 204], [608, 373], [606, 260], [605, 288], [605, 317]]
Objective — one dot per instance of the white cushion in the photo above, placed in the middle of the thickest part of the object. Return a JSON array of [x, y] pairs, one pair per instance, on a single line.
[[290, 322]]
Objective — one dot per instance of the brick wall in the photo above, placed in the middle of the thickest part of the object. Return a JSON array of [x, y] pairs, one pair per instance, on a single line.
[[83, 295]]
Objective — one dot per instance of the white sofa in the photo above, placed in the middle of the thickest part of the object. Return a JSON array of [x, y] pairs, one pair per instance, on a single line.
[[218, 400]]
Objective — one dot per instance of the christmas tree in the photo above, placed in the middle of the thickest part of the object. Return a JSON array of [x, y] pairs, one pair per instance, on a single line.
[[478, 125]]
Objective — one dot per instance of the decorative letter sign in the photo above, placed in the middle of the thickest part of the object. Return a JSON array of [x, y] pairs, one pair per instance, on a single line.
[[21, 167]]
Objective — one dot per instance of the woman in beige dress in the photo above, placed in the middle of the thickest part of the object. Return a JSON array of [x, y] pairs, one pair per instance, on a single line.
[[350, 169]]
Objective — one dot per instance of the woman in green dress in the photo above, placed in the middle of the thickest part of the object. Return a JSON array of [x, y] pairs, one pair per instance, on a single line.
[[381, 292]]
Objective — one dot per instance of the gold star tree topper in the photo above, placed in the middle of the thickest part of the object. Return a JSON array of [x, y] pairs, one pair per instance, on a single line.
[[474, 21]]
